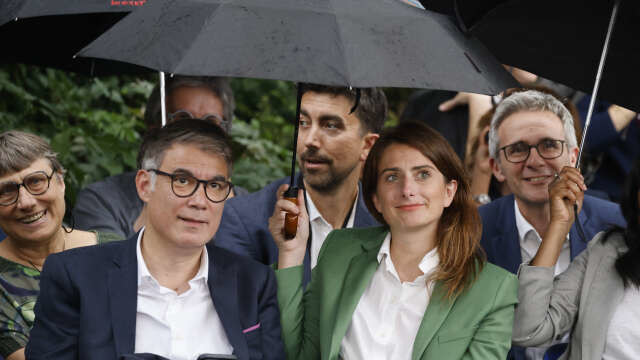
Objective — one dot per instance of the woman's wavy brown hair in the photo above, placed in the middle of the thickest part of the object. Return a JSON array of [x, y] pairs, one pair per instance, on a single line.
[[459, 228]]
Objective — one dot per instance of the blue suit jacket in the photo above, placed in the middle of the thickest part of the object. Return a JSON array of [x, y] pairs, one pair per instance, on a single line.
[[501, 242], [88, 301], [244, 228]]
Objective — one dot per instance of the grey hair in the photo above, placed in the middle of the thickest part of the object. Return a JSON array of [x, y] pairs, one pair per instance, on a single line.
[[219, 86], [207, 136], [530, 100], [19, 149]]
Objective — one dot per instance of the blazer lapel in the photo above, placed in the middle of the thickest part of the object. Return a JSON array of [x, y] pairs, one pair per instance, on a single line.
[[508, 243], [576, 242], [123, 297], [363, 218], [358, 277], [223, 287], [437, 311]]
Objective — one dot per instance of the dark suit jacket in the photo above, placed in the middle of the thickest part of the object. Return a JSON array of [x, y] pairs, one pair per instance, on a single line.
[[500, 238], [244, 228], [88, 301]]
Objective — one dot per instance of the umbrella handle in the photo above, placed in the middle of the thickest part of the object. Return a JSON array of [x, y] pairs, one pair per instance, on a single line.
[[291, 220]]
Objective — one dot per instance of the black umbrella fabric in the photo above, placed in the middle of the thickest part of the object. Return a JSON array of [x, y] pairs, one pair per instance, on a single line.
[[359, 43], [467, 12], [356, 43], [49, 33], [563, 41]]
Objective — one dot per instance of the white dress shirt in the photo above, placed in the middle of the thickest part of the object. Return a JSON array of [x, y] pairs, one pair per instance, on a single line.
[[530, 241], [623, 336], [389, 313], [320, 228], [179, 327]]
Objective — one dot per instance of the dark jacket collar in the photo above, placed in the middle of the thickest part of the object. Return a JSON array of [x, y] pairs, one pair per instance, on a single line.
[[123, 295]]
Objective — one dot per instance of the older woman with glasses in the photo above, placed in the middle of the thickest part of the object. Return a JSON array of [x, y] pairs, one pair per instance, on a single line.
[[32, 208]]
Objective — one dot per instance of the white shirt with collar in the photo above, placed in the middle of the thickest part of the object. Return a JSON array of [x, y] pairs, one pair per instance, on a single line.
[[179, 327], [389, 313], [530, 241], [320, 228]]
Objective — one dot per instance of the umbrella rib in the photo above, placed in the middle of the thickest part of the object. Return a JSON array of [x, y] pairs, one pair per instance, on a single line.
[[194, 41], [341, 45]]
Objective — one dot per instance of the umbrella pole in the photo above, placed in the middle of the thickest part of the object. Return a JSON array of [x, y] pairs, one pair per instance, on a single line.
[[163, 104], [594, 94], [291, 220], [296, 125]]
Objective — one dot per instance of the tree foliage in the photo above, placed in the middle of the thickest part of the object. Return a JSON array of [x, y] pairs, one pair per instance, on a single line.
[[95, 124]]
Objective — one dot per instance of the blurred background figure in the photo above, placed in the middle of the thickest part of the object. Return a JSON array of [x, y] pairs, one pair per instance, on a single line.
[[597, 297], [113, 204], [455, 115], [613, 142], [32, 209]]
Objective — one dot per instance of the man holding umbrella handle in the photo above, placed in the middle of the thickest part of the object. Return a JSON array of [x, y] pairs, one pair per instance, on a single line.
[[333, 142]]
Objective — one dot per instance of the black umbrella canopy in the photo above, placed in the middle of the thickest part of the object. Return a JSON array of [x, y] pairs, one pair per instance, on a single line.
[[359, 43], [563, 41], [467, 12], [49, 33]]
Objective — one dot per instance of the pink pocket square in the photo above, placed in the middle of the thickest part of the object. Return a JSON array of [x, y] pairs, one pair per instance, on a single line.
[[251, 328]]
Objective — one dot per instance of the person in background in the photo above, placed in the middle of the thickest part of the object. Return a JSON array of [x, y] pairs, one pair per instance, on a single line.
[[32, 209], [484, 185], [613, 142], [333, 143], [113, 203], [162, 291], [597, 297], [417, 287], [532, 138], [455, 115]]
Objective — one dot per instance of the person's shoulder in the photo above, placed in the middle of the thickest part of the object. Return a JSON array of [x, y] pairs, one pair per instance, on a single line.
[[596, 202], [117, 182], [606, 242], [596, 208], [90, 256], [342, 241], [265, 195], [495, 205], [495, 274], [491, 279], [242, 262]]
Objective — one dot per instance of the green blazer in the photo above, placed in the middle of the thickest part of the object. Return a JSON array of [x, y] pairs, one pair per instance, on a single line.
[[475, 325]]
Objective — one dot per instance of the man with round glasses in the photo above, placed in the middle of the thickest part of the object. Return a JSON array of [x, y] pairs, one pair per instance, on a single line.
[[531, 140], [163, 291], [113, 204]]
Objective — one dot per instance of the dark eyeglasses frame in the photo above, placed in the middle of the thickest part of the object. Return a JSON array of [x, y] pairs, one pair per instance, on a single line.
[[562, 142], [203, 182], [206, 117], [27, 188]]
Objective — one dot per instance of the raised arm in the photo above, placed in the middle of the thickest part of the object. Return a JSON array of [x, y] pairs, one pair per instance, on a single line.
[[547, 308], [299, 310]]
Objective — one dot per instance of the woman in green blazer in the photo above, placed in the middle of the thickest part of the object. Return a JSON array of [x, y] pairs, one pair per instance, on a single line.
[[417, 287]]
